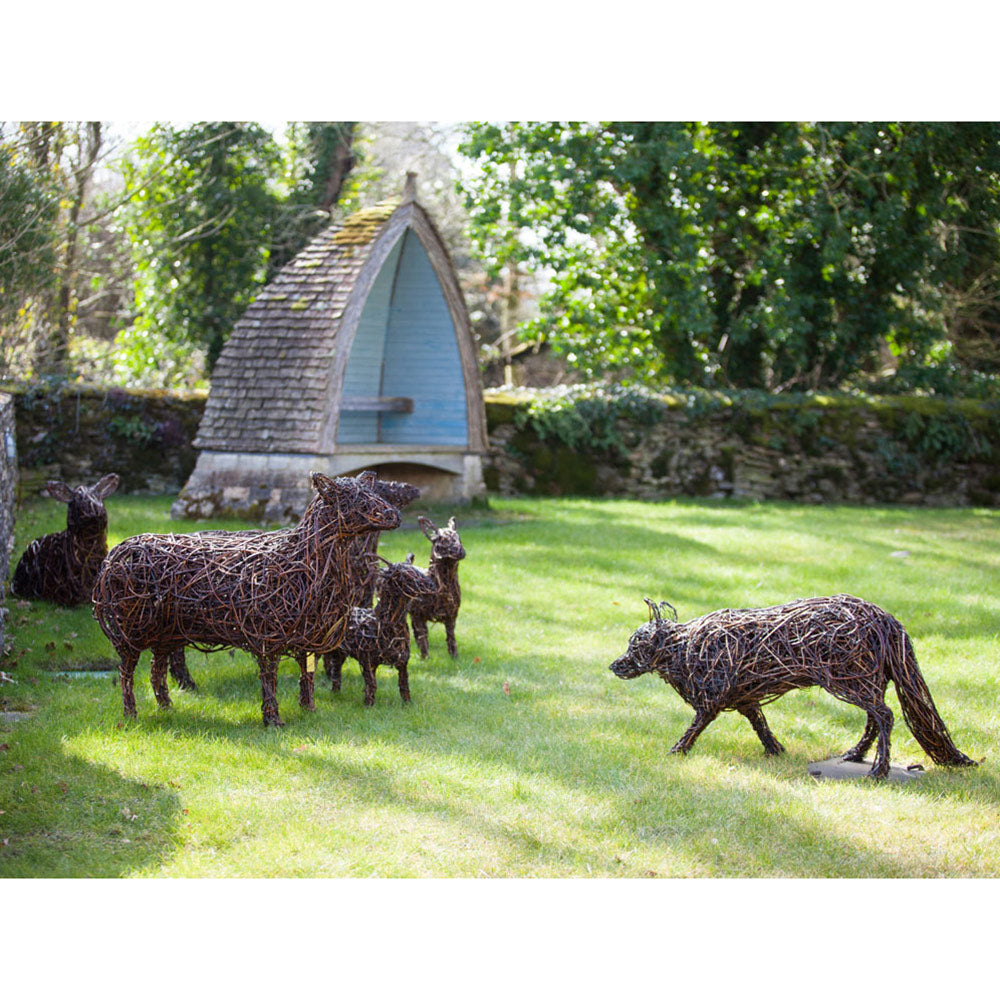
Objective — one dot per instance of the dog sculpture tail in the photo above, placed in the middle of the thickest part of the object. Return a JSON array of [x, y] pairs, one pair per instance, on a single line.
[[915, 699]]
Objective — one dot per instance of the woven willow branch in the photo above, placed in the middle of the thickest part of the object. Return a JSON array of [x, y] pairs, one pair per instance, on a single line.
[[265, 592], [738, 660], [61, 567], [443, 604], [360, 561]]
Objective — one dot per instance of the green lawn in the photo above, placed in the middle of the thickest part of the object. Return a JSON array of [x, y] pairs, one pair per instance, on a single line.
[[525, 756]]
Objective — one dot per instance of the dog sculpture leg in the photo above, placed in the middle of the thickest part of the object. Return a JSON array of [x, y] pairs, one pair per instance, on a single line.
[[857, 753], [702, 718], [755, 717]]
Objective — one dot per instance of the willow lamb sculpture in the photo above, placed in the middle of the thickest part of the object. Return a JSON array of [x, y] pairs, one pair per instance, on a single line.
[[381, 636], [62, 567], [443, 604], [361, 565], [739, 660], [265, 593]]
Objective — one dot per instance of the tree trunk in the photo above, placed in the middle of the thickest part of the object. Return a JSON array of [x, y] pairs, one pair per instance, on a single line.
[[52, 344]]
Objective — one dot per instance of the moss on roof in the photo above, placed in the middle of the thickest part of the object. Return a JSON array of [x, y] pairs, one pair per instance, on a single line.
[[361, 227]]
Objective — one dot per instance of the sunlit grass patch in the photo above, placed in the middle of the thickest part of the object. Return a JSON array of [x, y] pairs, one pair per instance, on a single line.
[[524, 756]]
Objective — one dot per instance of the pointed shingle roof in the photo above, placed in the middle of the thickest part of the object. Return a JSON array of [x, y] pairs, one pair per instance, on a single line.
[[270, 387]]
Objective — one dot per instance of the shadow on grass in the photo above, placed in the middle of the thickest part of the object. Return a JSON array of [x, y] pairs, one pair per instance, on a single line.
[[70, 818], [746, 820]]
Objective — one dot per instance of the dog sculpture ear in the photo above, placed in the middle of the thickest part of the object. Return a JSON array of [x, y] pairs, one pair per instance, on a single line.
[[665, 604], [106, 486], [654, 609], [428, 527], [58, 490]]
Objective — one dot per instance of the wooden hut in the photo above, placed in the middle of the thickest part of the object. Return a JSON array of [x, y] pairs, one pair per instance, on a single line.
[[357, 355]]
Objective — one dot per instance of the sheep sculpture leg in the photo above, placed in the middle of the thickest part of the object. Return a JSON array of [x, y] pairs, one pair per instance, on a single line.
[[126, 675], [307, 682], [371, 686], [158, 677], [179, 671], [333, 664], [404, 680], [420, 634], [449, 631], [268, 664]]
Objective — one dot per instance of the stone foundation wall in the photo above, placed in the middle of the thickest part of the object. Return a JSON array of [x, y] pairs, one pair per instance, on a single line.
[[80, 433], [275, 488], [8, 499], [907, 450], [915, 450]]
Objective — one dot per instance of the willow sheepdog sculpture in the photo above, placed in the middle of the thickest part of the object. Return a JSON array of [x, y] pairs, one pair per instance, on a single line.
[[443, 604], [361, 563], [62, 567], [739, 660], [381, 636], [265, 593]]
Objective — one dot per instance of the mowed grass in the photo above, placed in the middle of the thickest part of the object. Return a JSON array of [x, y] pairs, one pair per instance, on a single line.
[[525, 756]]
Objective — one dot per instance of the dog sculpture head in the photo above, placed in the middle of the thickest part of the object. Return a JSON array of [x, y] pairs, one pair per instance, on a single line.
[[644, 644]]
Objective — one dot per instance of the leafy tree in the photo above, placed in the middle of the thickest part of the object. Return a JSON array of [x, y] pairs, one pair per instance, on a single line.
[[200, 218], [742, 254], [58, 160], [29, 206], [320, 157]]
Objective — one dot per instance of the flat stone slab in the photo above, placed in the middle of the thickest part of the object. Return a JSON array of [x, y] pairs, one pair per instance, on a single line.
[[8, 718], [836, 769]]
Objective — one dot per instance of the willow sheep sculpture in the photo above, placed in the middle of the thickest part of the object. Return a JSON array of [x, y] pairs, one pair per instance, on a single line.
[[265, 593], [443, 604], [738, 660], [380, 636], [361, 564], [61, 567]]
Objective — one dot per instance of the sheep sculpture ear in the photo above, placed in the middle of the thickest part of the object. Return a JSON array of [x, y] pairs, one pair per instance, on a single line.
[[367, 478], [106, 486], [58, 490], [428, 527], [326, 487]]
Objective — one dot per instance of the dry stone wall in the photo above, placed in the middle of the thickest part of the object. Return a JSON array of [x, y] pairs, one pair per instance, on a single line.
[[913, 450], [902, 450], [79, 433], [8, 497]]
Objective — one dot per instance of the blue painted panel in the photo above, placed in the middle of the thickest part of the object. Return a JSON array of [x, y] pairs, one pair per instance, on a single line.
[[363, 374], [421, 357]]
